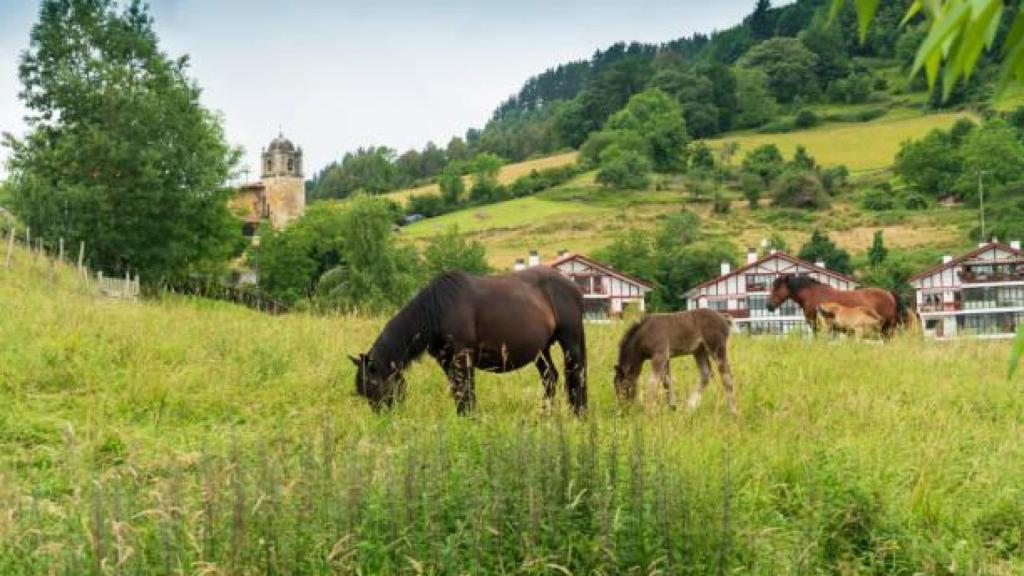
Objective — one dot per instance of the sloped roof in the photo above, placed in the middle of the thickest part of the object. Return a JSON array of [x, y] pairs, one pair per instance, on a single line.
[[965, 257], [778, 255], [600, 266]]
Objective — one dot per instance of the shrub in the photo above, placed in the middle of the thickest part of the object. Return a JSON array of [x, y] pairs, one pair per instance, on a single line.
[[800, 190], [429, 205], [721, 204], [914, 201], [753, 187], [877, 200], [834, 177], [806, 119]]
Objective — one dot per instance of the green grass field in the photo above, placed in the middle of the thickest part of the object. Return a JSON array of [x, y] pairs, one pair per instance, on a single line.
[[860, 146], [190, 437]]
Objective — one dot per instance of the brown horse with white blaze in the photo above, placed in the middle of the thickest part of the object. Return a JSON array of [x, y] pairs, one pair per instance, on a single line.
[[492, 323], [809, 294]]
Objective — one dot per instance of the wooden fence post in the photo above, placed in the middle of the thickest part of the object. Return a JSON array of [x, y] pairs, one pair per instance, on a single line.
[[81, 257], [28, 239], [10, 248], [60, 254]]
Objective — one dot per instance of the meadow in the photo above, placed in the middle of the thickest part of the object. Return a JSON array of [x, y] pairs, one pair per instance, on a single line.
[[184, 436], [583, 216]]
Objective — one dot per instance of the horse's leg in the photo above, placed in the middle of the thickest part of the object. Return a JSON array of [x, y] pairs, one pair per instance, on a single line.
[[725, 373], [549, 376], [461, 377], [704, 365], [666, 381], [658, 362], [574, 347]]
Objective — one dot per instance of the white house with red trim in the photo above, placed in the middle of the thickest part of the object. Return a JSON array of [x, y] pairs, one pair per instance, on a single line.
[[743, 293], [980, 293], [607, 292]]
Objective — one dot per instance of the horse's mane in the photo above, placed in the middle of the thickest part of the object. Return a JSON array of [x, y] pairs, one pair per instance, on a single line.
[[625, 345], [407, 335], [796, 283]]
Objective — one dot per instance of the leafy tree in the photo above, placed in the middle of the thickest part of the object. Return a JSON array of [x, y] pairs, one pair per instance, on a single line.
[[451, 184], [805, 119], [428, 205], [450, 251], [877, 200], [727, 152], [623, 168], [789, 66], [372, 170], [761, 22], [121, 153], [995, 150], [351, 247], [877, 252], [765, 161], [658, 120], [484, 168], [631, 253], [457, 150], [829, 46], [685, 267], [777, 242], [931, 164], [755, 104], [821, 248]]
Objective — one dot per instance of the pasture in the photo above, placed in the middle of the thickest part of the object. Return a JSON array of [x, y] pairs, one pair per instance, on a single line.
[[862, 147], [186, 436]]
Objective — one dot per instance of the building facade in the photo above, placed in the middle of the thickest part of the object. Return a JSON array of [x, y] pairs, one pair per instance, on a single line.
[[607, 293], [280, 195], [979, 294], [743, 294]]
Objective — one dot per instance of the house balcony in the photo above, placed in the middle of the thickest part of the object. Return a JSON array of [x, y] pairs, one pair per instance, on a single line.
[[941, 307], [968, 276]]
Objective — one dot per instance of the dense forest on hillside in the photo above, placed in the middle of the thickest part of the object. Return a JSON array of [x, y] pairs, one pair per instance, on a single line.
[[768, 67]]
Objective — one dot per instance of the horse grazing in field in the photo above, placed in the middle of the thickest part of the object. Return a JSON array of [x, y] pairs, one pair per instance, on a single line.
[[856, 320], [497, 323], [660, 337], [808, 293]]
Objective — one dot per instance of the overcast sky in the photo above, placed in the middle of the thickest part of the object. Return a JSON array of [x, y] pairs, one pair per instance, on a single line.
[[336, 75]]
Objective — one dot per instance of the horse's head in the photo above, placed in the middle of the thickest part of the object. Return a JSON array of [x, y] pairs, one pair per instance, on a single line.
[[380, 385], [625, 382], [780, 293]]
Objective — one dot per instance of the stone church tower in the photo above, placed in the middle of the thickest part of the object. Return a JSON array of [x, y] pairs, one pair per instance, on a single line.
[[284, 186]]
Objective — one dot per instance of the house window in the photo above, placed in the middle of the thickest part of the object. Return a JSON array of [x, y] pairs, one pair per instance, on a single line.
[[759, 282], [291, 165], [720, 305]]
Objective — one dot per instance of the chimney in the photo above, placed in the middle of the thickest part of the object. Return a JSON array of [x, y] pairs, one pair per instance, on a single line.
[[773, 251], [820, 264], [1015, 244], [947, 259], [533, 260], [520, 265], [726, 268], [982, 244], [751, 255]]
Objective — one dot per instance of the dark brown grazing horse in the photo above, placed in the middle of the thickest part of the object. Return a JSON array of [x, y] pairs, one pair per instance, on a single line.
[[494, 323], [660, 337], [809, 293]]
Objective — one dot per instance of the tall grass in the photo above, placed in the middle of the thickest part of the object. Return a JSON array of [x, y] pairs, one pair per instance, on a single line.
[[193, 437]]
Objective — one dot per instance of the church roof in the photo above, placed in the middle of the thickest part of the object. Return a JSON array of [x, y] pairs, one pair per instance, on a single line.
[[281, 144]]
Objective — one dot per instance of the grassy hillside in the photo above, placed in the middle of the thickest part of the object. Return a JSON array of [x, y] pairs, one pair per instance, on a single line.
[[507, 175], [203, 437], [859, 146], [582, 216]]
